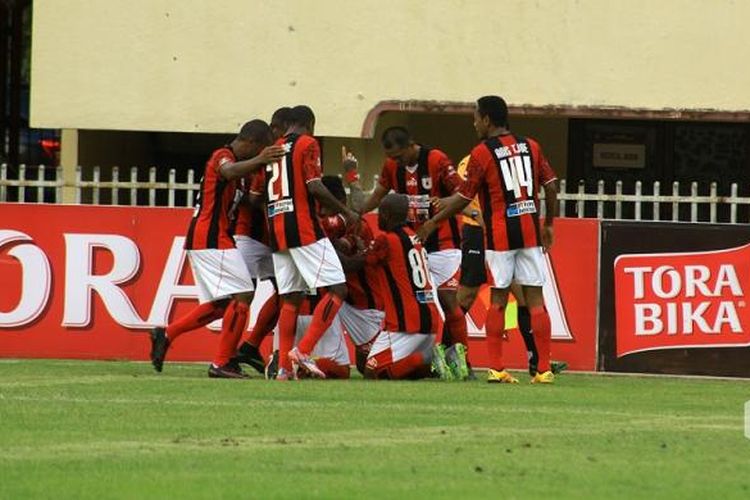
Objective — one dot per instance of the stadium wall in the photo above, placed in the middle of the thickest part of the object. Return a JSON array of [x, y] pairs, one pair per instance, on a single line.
[[205, 66]]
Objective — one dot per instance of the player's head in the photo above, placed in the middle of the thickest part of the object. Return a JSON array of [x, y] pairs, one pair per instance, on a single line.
[[280, 121], [253, 137], [393, 211], [303, 117], [399, 146], [491, 112], [336, 187]]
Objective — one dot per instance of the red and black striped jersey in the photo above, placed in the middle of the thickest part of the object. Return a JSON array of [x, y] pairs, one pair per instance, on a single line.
[[408, 293], [363, 285], [433, 175], [292, 210], [251, 220], [506, 172], [216, 206]]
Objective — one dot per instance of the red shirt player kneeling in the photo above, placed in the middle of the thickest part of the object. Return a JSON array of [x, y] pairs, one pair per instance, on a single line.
[[403, 350]]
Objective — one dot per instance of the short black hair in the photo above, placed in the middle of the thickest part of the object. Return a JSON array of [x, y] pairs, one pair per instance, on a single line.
[[282, 115], [302, 115], [395, 206], [397, 136], [256, 130], [335, 186], [495, 107]]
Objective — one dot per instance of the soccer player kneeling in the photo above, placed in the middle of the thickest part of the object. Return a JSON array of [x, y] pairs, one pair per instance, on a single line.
[[404, 349]]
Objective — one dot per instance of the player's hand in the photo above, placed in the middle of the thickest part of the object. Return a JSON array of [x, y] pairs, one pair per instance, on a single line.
[[425, 230], [271, 154], [348, 160], [437, 203], [548, 237], [352, 218]]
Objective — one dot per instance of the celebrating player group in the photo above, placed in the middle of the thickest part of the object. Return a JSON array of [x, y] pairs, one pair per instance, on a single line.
[[399, 291]]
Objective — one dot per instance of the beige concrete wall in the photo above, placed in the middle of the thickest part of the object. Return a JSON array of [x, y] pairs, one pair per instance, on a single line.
[[207, 66]]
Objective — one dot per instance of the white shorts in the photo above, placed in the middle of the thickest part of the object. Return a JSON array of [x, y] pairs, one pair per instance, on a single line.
[[362, 325], [332, 344], [308, 268], [444, 267], [402, 345], [526, 266], [219, 274], [256, 255]]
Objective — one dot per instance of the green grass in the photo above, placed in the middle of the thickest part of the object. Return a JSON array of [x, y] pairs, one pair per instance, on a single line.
[[117, 430]]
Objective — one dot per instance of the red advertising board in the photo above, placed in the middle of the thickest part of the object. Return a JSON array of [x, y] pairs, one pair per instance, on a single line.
[[570, 296], [89, 282], [682, 300]]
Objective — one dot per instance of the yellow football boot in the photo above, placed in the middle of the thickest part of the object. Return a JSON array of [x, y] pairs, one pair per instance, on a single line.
[[500, 377], [543, 378]]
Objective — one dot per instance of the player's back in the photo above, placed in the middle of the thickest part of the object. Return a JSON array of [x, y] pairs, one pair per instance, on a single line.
[[409, 296], [251, 220], [364, 285], [292, 210], [216, 204], [513, 168]]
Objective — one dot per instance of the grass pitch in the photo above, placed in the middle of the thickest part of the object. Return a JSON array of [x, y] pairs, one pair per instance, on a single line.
[[118, 430]]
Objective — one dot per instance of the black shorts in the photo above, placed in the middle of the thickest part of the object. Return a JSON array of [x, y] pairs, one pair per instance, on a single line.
[[473, 270]]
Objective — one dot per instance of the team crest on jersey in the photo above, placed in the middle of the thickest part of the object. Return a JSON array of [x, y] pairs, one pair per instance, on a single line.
[[427, 182]]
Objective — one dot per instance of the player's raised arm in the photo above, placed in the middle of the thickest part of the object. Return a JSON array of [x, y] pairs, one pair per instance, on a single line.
[[350, 166]]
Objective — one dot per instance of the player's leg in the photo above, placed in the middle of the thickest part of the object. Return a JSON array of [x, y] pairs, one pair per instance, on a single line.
[[320, 267], [331, 354], [473, 266], [408, 357], [232, 326], [362, 326], [524, 326], [268, 316], [531, 274], [500, 266], [205, 273], [234, 280], [259, 261], [444, 269], [291, 284]]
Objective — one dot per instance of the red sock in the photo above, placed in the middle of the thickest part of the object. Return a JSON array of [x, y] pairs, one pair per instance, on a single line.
[[495, 327], [542, 330], [287, 329], [234, 323], [455, 321], [323, 316], [198, 317], [407, 366], [332, 369], [268, 316]]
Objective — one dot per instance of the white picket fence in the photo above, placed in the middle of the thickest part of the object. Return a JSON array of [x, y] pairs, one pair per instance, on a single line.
[[161, 187]]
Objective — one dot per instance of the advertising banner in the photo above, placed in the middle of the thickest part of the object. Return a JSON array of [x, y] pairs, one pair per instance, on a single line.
[[677, 295], [88, 282]]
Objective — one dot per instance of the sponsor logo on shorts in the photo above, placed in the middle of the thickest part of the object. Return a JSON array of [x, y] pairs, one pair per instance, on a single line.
[[425, 296], [521, 208], [474, 252], [451, 283], [279, 207]]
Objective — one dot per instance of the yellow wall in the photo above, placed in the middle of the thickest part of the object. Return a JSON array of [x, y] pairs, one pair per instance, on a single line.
[[207, 65]]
